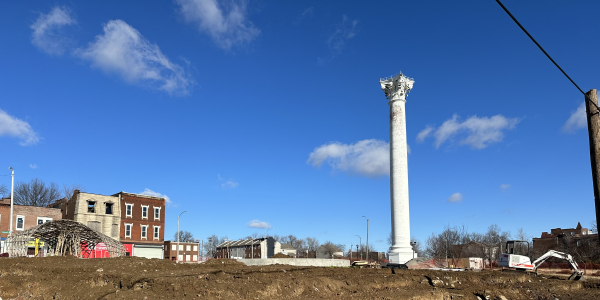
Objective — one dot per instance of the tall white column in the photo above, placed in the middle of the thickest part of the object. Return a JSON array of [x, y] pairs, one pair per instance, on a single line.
[[396, 88]]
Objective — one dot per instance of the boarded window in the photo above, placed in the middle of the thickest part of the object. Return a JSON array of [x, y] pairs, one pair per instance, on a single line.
[[115, 230], [95, 225]]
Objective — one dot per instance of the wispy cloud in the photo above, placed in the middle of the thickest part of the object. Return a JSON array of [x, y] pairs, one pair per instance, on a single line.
[[424, 133], [225, 21], [258, 224], [504, 186], [577, 120], [307, 13], [11, 126], [33, 166], [227, 183], [121, 49], [480, 132], [344, 31], [455, 198], [367, 157], [149, 192], [47, 30]]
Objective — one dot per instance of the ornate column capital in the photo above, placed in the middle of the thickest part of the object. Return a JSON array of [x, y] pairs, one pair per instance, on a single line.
[[396, 87]]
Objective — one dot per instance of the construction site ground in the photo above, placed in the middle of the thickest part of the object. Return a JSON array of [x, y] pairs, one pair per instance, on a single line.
[[139, 278]]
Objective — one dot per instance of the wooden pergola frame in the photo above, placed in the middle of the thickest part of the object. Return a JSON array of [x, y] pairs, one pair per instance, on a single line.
[[63, 237]]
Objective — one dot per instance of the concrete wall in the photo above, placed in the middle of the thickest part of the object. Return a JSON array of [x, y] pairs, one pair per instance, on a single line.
[[303, 262]]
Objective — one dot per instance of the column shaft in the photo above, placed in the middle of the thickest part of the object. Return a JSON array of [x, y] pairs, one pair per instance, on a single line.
[[399, 182]]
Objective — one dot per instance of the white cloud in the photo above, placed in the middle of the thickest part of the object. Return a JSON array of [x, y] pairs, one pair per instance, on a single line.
[[33, 166], [424, 133], [504, 186], [46, 30], [11, 126], [480, 132], [258, 224], [456, 197], [229, 184], [121, 49], [577, 120], [366, 158], [149, 192], [225, 21], [343, 33]]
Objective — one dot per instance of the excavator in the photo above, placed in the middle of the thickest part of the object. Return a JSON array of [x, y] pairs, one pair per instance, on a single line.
[[509, 259]]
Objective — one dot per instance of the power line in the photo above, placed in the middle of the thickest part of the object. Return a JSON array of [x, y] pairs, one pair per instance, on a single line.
[[547, 55]]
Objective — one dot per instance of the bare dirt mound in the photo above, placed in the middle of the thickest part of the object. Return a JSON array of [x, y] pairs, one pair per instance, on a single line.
[[139, 278], [281, 255]]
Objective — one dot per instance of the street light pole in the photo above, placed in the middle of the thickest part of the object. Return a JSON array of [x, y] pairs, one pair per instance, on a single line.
[[367, 237], [12, 197], [360, 243], [265, 236], [177, 260]]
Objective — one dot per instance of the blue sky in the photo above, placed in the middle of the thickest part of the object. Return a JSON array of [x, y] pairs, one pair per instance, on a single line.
[[271, 111]]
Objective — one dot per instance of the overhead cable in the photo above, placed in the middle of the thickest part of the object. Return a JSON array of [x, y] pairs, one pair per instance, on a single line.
[[547, 55]]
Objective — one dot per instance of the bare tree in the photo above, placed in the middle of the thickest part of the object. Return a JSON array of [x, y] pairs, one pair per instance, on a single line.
[[68, 190], [496, 238], [184, 237], [4, 192], [36, 193], [330, 248]]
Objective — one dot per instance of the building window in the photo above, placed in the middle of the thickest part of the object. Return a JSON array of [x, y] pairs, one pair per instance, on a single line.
[[144, 231], [109, 208], [92, 206], [128, 230], [144, 211], [20, 222], [156, 232], [578, 243], [180, 247], [173, 247], [195, 248], [156, 213], [572, 233], [188, 248], [128, 209], [42, 220]]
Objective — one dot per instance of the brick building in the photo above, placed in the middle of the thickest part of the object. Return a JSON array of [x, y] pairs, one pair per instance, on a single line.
[[247, 248], [188, 252], [142, 224], [24, 217], [99, 212], [564, 239]]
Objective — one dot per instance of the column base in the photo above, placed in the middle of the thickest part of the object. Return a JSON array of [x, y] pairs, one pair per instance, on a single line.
[[401, 256]]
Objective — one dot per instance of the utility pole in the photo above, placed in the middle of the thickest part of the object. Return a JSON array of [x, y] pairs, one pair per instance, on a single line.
[[12, 197], [228, 253], [593, 121], [368, 238]]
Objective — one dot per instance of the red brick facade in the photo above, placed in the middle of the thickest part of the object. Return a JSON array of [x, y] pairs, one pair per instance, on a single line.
[[29, 214], [133, 219], [188, 252]]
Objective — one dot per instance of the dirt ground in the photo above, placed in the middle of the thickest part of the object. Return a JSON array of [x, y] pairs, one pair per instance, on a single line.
[[139, 278]]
